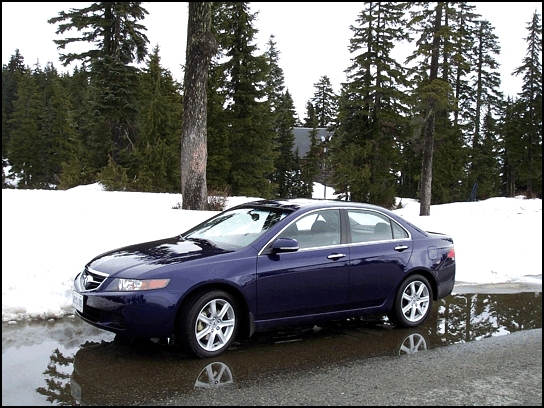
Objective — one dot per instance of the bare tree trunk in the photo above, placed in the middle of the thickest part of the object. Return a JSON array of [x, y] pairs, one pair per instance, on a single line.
[[427, 164], [201, 46], [429, 126]]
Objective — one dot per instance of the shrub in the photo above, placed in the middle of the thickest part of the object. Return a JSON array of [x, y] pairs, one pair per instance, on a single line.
[[217, 199]]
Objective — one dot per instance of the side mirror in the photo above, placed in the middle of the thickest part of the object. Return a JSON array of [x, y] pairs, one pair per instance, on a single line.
[[285, 245]]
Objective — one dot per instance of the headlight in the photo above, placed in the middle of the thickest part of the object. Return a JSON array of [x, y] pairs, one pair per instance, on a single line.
[[129, 285]]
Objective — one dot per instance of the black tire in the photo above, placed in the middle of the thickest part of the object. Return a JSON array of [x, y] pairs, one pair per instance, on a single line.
[[120, 340], [413, 302], [210, 324]]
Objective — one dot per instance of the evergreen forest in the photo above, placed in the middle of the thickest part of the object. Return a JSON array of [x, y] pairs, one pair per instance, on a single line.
[[435, 127]]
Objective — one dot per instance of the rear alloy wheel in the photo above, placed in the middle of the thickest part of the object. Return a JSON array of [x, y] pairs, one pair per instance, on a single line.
[[413, 302], [210, 324]]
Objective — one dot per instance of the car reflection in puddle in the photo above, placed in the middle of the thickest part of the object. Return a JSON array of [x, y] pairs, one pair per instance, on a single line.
[[214, 375], [148, 371], [108, 373]]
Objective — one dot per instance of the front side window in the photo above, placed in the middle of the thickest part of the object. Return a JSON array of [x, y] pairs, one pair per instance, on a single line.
[[317, 229]]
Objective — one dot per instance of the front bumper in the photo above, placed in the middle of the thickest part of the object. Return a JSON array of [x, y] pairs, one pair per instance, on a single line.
[[147, 314]]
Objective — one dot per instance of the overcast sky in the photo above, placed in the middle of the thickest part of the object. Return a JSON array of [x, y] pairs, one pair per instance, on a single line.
[[312, 38]]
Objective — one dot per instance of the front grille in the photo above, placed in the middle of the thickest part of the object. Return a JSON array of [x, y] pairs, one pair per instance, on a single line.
[[96, 315], [91, 280], [118, 321], [91, 313]]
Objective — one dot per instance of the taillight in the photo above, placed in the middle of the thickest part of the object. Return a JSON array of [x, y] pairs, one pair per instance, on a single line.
[[451, 254]]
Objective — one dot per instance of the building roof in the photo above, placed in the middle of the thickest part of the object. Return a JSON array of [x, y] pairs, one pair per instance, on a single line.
[[302, 138]]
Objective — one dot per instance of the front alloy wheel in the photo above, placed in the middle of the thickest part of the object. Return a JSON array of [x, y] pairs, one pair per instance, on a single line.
[[413, 302], [210, 324]]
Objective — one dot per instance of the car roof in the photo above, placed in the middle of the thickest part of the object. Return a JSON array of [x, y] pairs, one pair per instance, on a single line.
[[294, 204]]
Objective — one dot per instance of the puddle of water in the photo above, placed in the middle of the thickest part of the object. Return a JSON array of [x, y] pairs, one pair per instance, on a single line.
[[70, 362]]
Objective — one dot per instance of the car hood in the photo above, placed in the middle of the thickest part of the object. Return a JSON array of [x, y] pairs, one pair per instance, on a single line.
[[132, 261]]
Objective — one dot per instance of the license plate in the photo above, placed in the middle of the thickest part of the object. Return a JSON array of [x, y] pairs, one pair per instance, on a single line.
[[77, 301]]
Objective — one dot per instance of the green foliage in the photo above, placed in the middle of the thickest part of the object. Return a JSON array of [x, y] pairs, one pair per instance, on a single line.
[[58, 127], [113, 177], [72, 175], [219, 165], [112, 26], [248, 121], [26, 145], [324, 103], [528, 113], [158, 144], [114, 29], [286, 163], [120, 125], [370, 108], [11, 74]]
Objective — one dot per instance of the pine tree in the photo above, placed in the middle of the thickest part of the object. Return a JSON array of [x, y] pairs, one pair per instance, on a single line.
[[484, 102], [248, 118], [452, 125], [487, 156], [79, 168], [26, 145], [286, 175], [58, 125], [513, 152], [120, 41], [112, 27], [363, 150], [218, 167], [324, 103], [433, 93], [159, 127], [11, 73], [530, 119], [275, 82]]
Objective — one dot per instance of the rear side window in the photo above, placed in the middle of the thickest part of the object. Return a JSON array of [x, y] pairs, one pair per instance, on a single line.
[[398, 231], [370, 226]]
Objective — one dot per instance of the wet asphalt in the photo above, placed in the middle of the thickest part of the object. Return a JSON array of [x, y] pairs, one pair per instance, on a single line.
[[480, 346], [504, 370]]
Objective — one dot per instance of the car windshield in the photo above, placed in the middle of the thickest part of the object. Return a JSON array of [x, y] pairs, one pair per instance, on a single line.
[[235, 228]]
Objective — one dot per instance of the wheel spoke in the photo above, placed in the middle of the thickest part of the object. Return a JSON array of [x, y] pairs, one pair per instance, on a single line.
[[413, 312], [219, 375], [203, 333], [204, 319], [213, 309], [221, 336], [224, 310], [405, 309], [210, 373], [211, 341], [416, 347], [226, 324]]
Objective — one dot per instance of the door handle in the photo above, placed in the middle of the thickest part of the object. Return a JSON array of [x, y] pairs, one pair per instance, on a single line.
[[336, 256], [401, 248]]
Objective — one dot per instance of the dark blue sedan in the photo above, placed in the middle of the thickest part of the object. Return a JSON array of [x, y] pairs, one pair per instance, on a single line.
[[265, 265]]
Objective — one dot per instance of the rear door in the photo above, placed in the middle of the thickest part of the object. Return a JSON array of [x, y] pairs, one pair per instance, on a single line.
[[379, 251]]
